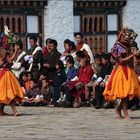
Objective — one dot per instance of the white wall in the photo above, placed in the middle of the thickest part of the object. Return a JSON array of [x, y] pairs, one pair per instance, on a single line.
[[58, 21], [131, 16]]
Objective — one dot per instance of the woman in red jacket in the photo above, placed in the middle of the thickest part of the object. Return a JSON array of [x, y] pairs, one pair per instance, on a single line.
[[76, 87]]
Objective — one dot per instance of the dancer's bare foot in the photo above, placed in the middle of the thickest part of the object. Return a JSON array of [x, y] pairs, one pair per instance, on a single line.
[[128, 118], [16, 114], [119, 115]]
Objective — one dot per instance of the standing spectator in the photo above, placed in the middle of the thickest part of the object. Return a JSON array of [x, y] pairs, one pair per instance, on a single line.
[[45, 49], [18, 62], [66, 51], [50, 61], [60, 77], [34, 57], [83, 46]]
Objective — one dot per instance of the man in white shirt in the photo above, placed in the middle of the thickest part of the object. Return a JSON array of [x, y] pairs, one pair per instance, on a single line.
[[83, 46]]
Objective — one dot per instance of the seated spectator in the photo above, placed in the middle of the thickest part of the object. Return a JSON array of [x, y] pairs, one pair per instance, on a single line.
[[27, 83], [71, 73], [79, 56], [76, 88], [32, 94], [41, 77], [89, 91], [47, 92], [22, 80], [99, 85]]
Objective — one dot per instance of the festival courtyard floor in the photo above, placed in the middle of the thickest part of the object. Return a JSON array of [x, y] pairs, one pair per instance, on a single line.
[[43, 123]]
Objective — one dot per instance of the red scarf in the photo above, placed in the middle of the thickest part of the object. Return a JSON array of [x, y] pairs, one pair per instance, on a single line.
[[2, 72]]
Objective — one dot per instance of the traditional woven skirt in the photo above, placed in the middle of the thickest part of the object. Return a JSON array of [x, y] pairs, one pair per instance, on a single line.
[[10, 88], [123, 83]]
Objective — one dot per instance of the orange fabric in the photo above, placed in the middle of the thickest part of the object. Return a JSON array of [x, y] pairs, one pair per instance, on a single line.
[[111, 78], [10, 88], [121, 86], [27, 85]]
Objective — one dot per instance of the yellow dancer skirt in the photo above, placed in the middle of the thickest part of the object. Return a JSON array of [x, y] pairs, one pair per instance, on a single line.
[[123, 84], [9, 87]]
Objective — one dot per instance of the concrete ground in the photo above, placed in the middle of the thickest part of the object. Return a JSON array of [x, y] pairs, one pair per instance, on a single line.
[[43, 123]]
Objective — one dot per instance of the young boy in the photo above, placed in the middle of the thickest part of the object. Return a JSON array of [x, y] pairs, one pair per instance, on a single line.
[[47, 93], [32, 94]]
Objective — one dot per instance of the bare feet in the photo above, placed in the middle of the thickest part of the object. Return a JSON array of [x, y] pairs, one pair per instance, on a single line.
[[16, 114], [119, 115], [127, 117]]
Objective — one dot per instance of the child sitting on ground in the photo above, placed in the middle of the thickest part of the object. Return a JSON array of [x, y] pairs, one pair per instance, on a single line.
[[47, 93], [22, 80], [32, 94], [29, 77]]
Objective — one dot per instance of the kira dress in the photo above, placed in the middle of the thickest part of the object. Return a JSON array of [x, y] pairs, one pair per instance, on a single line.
[[10, 88], [123, 82]]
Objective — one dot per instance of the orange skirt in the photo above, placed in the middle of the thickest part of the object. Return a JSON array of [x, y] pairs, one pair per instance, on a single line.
[[9, 88], [122, 87]]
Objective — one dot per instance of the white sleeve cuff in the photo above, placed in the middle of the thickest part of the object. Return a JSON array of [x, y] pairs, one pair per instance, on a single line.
[[99, 80]]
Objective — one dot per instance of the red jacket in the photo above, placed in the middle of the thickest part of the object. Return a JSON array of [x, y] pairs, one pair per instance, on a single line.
[[85, 74], [45, 51]]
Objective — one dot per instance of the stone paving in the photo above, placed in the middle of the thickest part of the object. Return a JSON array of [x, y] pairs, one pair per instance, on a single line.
[[43, 123]]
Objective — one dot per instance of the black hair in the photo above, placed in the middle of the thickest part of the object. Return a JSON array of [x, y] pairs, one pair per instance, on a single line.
[[134, 44], [97, 56], [60, 64], [80, 34], [45, 79], [69, 59], [54, 42], [28, 72], [20, 44], [72, 45], [48, 40], [67, 41], [106, 56], [80, 54], [34, 80], [21, 75], [33, 38]]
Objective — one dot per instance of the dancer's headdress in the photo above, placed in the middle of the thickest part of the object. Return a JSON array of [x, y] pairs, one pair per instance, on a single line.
[[7, 39], [126, 35], [125, 38]]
